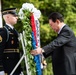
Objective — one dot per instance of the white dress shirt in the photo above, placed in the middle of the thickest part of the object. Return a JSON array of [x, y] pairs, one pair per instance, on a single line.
[[10, 25], [61, 28]]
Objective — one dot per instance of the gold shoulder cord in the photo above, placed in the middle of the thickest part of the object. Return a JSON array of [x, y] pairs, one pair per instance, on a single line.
[[0, 38]]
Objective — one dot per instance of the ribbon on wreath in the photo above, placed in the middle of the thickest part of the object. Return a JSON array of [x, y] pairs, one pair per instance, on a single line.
[[36, 42]]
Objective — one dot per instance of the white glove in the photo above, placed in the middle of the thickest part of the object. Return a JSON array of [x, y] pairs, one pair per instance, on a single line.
[[21, 73], [2, 73]]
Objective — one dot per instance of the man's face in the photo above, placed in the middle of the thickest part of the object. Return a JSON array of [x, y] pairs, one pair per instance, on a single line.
[[54, 25], [12, 19]]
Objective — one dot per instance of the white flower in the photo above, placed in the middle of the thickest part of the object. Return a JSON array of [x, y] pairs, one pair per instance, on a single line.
[[21, 14], [28, 6], [37, 13]]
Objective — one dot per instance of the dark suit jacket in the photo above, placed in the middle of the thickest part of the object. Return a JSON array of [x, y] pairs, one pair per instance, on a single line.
[[63, 50]]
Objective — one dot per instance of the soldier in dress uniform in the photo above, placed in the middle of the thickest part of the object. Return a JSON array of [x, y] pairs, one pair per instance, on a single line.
[[10, 42]]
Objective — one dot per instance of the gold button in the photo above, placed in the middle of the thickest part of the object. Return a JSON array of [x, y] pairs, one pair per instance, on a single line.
[[7, 57]]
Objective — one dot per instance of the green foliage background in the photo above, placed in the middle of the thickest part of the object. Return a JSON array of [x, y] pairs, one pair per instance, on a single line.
[[65, 7]]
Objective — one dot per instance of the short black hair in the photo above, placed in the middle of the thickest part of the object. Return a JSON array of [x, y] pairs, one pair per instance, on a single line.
[[55, 15]]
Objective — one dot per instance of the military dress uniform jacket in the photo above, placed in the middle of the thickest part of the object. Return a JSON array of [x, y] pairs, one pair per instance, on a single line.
[[2, 45], [11, 51], [63, 50]]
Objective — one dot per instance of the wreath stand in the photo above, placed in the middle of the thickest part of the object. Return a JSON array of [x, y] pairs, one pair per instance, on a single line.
[[21, 38]]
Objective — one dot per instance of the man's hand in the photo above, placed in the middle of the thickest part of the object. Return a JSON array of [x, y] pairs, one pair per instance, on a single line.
[[37, 51]]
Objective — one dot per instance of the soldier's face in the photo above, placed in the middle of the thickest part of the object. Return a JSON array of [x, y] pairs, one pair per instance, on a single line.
[[12, 19], [54, 25]]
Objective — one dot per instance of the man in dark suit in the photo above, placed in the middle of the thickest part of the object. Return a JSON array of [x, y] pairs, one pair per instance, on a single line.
[[62, 49], [10, 43]]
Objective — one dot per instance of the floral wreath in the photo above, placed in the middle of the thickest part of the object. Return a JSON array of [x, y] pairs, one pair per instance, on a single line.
[[27, 14]]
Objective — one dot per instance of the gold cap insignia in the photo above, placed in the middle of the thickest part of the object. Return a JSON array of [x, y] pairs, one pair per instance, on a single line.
[[0, 39]]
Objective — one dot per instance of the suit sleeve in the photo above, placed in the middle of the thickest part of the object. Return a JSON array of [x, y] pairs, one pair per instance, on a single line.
[[61, 40]]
